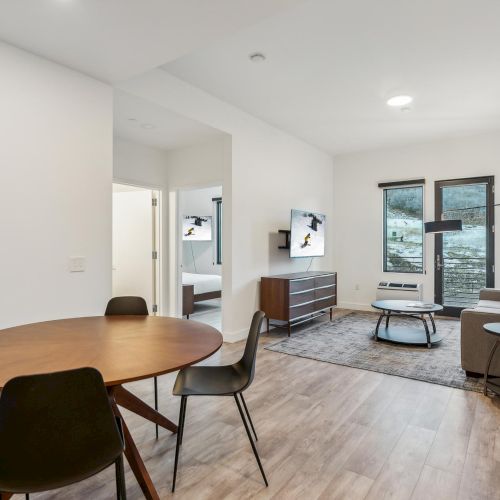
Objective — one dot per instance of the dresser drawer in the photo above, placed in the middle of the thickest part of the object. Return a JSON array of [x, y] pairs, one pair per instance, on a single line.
[[302, 284], [324, 303], [297, 311], [328, 279], [302, 297], [325, 291]]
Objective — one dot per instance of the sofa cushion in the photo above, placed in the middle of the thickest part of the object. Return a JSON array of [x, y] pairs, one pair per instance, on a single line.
[[490, 304], [484, 310]]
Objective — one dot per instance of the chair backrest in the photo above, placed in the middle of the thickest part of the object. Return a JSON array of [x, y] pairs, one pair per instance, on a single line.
[[247, 362], [128, 306], [55, 429]]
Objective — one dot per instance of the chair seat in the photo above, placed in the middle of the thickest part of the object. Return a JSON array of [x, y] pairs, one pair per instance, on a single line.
[[210, 381], [27, 470]]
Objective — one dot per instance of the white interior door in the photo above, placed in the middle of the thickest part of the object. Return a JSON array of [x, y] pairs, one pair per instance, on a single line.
[[133, 244]]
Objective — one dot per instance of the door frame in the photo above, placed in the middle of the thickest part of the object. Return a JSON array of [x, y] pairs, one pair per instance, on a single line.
[[157, 241], [175, 246], [490, 236]]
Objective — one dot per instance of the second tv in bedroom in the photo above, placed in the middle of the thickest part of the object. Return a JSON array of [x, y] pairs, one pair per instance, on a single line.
[[307, 234], [197, 228]]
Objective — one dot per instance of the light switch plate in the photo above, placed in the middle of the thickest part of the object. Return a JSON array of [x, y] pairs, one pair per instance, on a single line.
[[76, 264]]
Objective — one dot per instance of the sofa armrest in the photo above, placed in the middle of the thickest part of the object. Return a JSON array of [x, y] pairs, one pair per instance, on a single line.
[[476, 344], [489, 294]]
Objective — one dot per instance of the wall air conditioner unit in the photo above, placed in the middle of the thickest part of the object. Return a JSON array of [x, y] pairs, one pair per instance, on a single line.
[[392, 290]]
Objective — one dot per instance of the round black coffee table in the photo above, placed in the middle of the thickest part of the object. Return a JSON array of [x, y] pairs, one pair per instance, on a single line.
[[492, 383], [407, 334]]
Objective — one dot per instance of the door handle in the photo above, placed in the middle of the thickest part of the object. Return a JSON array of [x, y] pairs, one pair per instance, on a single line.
[[439, 264]]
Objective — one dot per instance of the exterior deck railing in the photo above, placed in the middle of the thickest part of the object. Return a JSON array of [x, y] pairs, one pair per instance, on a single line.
[[463, 278]]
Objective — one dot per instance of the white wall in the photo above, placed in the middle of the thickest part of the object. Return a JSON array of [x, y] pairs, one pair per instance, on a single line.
[[55, 179], [145, 166], [198, 165], [200, 256], [266, 172], [134, 163], [358, 215]]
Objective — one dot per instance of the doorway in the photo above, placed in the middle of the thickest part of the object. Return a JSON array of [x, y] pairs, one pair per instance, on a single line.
[[136, 244], [464, 260], [199, 238]]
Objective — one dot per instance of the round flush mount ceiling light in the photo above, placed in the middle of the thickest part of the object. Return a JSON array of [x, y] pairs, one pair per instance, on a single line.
[[147, 126], [399, 101], [257, 57]]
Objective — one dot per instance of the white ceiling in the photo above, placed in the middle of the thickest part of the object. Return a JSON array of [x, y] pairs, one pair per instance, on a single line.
[[116, 39], [169, 130], [331, 65]]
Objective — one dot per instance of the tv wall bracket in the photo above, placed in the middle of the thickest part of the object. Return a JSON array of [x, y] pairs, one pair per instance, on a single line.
[[286, 232]]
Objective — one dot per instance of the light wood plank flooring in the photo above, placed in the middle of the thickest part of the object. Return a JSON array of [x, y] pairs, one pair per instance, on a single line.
[[325, 431], [208, 312]]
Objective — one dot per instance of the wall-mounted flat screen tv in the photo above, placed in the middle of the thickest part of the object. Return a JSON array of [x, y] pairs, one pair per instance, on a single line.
[[307, 234], [197, 228]]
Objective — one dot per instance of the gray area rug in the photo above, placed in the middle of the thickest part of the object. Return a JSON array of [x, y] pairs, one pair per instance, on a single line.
[[349, 341]]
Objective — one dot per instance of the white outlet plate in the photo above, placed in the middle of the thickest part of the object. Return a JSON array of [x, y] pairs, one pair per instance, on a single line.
[[76, 264]]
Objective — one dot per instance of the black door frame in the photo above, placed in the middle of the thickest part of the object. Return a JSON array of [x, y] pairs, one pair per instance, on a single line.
[[490, 236]]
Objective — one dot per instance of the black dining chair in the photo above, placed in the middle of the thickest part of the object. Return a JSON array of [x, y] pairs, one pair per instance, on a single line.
[[131, 306], [127, 306], [57, 429], [230, 380]]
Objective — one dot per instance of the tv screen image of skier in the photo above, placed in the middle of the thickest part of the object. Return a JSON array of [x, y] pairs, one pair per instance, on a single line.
[[307, 234]]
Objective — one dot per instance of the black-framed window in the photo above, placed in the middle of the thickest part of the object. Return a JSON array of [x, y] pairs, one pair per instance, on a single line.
[[403, 229], [218, 230]]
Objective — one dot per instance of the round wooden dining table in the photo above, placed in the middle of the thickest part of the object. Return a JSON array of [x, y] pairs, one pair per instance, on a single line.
[[122, 348]]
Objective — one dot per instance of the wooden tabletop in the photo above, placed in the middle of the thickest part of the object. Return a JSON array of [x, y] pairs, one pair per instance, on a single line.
[[122, 348]]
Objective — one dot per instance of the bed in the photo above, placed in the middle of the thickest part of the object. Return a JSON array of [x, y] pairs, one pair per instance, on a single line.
[[206, 286]]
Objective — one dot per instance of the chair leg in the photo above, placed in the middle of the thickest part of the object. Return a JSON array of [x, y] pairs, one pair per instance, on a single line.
[[250, 439], [248, 415], [121, 491], [180, 431], [156, 401], [182, 422]]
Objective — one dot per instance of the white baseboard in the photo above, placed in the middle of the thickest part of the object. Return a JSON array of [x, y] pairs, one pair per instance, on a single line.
[[237, 336], [243, 334], [355, 306]]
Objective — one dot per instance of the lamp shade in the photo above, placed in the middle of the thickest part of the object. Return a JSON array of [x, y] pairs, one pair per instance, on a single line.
[[443, 226]]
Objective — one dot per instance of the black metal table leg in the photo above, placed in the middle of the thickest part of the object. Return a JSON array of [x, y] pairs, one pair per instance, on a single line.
[[487, 369], [427, 333], [387, 319], [378, 324], [432, 321]]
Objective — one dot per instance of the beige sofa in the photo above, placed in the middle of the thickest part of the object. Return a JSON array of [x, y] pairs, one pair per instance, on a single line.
[[476, 344]]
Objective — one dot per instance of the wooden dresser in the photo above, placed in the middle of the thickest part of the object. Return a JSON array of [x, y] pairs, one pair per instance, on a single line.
[[298, 297]]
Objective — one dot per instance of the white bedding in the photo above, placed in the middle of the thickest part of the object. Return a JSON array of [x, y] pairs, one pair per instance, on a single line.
[[203, 283]]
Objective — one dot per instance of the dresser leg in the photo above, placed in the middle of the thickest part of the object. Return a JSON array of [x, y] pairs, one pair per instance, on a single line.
[[331, 313], [289, 328]]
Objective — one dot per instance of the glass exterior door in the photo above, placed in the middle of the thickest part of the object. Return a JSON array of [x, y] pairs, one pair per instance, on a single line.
[[464, 259]]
